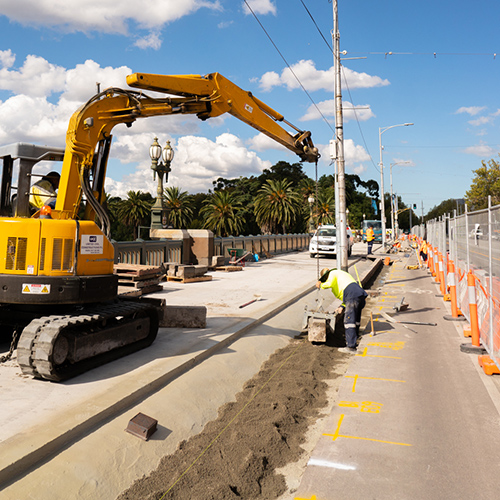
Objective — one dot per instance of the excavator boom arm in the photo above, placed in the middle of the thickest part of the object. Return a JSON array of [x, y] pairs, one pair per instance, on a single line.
[[206, 96], [226, 97]]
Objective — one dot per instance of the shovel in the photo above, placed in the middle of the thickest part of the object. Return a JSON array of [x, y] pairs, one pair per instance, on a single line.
[[257, 297]]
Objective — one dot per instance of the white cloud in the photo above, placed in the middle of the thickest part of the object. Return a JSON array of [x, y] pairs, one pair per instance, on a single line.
[[482, 150], [100, 15], [471, 110], [37, 77], [197, 162], [327, 108], [152, 41], [315, 79], [354, 156], [7, 59], [482, 120], [259, 7], [262, 142]]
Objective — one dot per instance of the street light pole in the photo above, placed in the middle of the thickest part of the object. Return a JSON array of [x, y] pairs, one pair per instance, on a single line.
[[393, 203], [340, 163], [382, 200]]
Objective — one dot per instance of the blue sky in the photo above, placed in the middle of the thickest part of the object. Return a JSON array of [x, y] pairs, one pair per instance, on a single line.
[[427, 62]]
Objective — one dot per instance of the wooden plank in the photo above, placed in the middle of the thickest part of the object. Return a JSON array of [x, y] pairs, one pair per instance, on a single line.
[[228, 269], [135, 269], [189, 280], [139, 284]]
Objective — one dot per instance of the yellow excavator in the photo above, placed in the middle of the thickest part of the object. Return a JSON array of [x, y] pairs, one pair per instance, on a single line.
[[58, 293]]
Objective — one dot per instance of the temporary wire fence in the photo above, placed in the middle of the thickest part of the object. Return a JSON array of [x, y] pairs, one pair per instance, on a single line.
[[472, 242]]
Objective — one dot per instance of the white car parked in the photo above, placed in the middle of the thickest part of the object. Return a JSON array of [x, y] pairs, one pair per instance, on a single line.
[[324, 241]]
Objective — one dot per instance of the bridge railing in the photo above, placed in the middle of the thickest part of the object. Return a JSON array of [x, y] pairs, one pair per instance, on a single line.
[[472, 242], [155, 252]]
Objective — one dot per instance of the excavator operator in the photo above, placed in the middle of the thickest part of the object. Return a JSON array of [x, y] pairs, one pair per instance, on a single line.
[[43, 192]]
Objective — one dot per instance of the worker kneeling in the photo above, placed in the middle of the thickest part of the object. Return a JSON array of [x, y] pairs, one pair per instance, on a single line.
[[353, 298]]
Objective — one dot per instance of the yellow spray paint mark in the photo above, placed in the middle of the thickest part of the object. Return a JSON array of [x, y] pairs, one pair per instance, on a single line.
[[395, 346], [357, 377], [366, 355], [364, 406], [337, 434]]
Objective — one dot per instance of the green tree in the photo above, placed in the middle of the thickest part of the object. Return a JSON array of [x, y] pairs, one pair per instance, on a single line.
[[222, 214], [179, 205], [276, 205], [325, 210], [283, 171], [445, 207], [135, 211], [486, 183]]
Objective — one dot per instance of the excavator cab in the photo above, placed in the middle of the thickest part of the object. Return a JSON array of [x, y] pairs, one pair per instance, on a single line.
[[21, 158], [58, 293]]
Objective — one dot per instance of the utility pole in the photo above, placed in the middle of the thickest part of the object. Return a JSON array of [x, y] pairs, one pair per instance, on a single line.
[[340, 162]]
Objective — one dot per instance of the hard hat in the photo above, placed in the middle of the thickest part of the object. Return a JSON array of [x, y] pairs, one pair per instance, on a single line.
[[46, 212]]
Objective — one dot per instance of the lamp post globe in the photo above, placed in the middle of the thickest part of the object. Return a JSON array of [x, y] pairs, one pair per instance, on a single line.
[[159, 214]]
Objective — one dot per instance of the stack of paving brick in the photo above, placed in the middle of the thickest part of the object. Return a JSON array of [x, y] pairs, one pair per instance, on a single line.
[[185, 273], [136, 280]]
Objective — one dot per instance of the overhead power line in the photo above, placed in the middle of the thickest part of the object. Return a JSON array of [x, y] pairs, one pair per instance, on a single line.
[[289, 67], [346, 86]]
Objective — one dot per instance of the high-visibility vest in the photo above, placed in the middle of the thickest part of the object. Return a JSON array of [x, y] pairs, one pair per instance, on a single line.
[[338, 281], [42, 192], [370, 234]]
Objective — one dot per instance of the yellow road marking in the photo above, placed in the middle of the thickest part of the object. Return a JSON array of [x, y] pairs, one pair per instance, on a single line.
[[366, 355], [357, 377], [336, 435]]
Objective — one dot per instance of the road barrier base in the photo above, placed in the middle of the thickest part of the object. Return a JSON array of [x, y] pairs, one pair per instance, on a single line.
[[488, 365]]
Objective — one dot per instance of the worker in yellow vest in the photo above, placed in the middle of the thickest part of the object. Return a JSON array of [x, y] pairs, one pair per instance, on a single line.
[[370, 238], [43, 192], [353, 298]]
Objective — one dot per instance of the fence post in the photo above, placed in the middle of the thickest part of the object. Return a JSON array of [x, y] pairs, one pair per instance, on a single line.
[[490, 272]]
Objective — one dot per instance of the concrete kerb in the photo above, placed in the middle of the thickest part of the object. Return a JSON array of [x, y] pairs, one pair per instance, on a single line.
[[20, 457]]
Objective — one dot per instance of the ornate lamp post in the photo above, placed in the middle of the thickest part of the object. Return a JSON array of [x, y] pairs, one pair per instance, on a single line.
[[159, 214]]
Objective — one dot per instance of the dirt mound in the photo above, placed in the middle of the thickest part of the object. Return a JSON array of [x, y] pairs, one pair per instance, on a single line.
[[235, 456]]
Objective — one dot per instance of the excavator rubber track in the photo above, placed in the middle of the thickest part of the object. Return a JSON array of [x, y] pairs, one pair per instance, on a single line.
[[59, 347]]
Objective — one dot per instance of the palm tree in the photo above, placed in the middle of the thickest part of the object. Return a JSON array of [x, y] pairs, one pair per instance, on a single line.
[[221, 212], [276, 205], [177, 202], [135, 209], [325, 209]]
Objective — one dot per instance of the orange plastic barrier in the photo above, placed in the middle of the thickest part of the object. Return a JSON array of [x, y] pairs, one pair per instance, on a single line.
[[488, 365], [474, 322], [455, 312]]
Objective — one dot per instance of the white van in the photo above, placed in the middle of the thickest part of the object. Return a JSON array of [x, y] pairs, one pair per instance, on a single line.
[[324, 241]]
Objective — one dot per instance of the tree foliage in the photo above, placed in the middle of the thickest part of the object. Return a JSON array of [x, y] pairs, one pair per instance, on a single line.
[[486, 182], [276, 206], [222, 214], [281, 199], [179, 205]]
